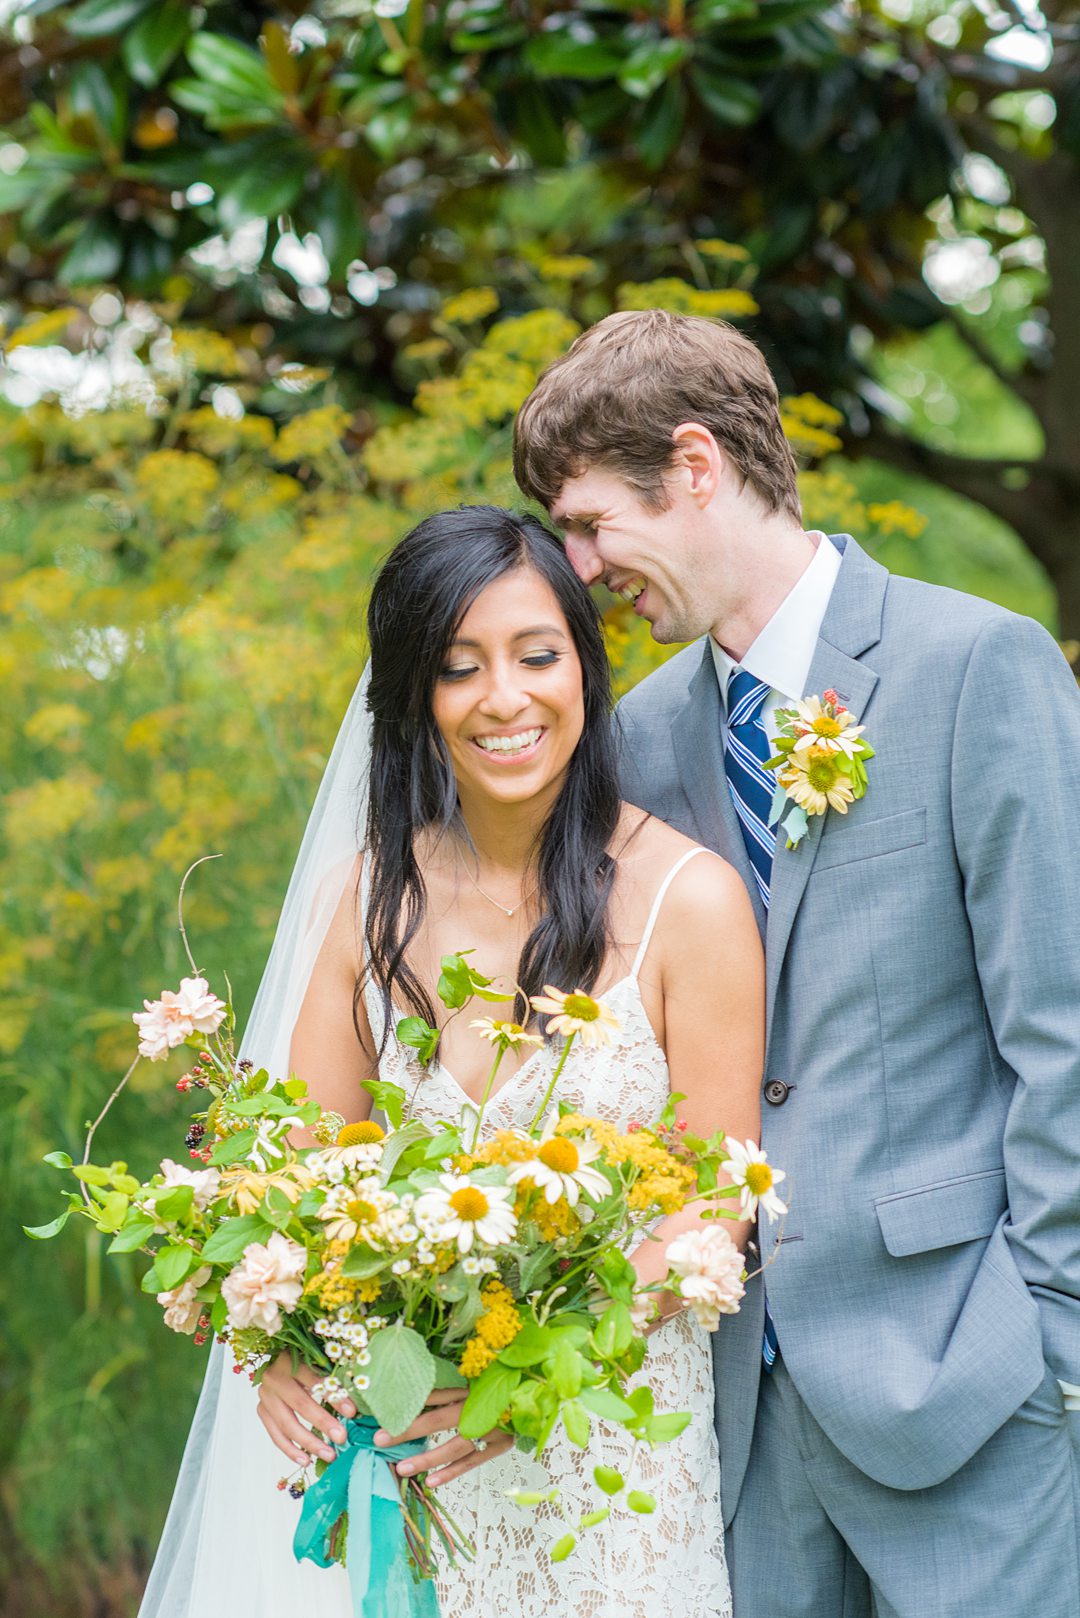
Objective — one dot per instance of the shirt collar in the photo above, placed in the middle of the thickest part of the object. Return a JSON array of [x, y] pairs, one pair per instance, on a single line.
[[784, 650]]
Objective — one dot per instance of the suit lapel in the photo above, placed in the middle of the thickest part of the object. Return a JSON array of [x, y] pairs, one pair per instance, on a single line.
[[852, 625], [697, 734]]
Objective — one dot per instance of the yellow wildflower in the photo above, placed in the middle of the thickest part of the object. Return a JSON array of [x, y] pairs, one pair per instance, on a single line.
[[498, 1325], [364, 1133], [469, 306], [729, 252], [505, 1146]]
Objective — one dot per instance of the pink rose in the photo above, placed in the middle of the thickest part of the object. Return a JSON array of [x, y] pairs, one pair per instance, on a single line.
[[710, 1270], [182, 1308], [169, 1021], [268, 1279]]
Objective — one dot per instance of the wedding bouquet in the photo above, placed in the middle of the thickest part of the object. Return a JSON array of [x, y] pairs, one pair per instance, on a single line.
[[400, 1260]]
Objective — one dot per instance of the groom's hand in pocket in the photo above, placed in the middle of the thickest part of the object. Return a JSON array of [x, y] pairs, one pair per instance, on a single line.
[[298, 1425], [456, 1455]]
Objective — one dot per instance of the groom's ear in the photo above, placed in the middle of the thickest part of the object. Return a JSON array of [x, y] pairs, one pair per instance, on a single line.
[[699, 461]]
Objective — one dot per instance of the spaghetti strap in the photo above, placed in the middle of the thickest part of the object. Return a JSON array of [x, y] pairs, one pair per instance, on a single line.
[[657, 902]]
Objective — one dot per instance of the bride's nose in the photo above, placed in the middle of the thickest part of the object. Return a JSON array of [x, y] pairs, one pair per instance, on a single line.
[[505, 696]]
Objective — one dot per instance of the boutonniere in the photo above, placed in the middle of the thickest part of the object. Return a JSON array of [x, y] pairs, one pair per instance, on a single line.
[[820, 763]]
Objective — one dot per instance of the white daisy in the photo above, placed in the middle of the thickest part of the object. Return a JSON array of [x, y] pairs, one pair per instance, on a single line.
[[561, 1167], [832, 728], [465, 1212], [756, 1178]]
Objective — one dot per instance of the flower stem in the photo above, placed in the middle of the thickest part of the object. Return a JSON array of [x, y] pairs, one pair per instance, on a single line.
[[92, 1127], [540, 1111], [499, 1054], [180, 907]]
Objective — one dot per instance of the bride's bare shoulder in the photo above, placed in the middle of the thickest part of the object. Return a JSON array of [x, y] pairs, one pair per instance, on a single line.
[[645, 851]]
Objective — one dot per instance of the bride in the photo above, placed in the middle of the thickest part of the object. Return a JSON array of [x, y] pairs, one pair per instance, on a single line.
[[494, 824]]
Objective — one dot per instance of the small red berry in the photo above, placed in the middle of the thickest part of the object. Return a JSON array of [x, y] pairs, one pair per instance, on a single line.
[[185, 1083], [680, 1125], [632, 1127], [830, 696], [283, 1483]]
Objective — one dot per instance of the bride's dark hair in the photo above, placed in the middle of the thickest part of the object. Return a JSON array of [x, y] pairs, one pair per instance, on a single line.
[[423, 590]]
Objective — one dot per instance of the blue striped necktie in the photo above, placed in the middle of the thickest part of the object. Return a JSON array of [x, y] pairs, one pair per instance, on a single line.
[[752, 791]]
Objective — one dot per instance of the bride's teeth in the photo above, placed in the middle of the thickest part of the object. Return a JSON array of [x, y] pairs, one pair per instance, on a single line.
[[509, 744]]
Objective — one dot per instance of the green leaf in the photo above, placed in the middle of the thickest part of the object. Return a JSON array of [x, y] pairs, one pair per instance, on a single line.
[[231, 67], [234, 1235], [92, 1174], [533, 1267], [58, 1160], [617, 1274], [362, 1261], [614, 1331], [420, 1035], [174, 1201], [607, 1404], [562, 1547], [42, 1233], [608, 1479], [173, 1264], [537, 127], [564, 1367], [232, 1148], [662, 124], [398, 1143], [662, 1429], [134, 1233], [268, 189], [339, 222], [447, 1374], [529, 1347], [95, 18], [96, 255], [729, 100], [149, 47], [591, 1518], [488, 1398], [559, 55], [389, 1098], [112, 1212], [646, 68], [639, 1501], [456, 981], [576, 1421], [402, 1374]]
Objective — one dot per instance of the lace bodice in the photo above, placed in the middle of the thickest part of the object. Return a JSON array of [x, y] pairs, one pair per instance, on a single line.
[[631, 1566]]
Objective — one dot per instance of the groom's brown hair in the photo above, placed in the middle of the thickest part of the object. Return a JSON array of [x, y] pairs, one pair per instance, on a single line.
[[618, 393]]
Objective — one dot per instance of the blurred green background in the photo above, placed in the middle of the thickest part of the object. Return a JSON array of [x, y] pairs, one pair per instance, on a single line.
[[274, 280]]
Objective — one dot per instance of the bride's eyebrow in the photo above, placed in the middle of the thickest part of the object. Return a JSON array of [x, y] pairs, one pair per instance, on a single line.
[[521, 634]]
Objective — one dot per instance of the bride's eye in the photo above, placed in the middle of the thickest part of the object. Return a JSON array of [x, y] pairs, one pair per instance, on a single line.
[[461, 672], [540, 660]]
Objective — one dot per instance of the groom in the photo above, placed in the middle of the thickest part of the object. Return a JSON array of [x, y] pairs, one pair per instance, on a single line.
[[898, 1430]]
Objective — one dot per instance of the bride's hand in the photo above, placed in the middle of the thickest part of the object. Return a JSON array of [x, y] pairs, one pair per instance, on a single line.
[[449, 1460], [285, 1405]]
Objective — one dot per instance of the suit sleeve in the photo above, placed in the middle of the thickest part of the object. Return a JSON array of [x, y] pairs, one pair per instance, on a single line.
[[1016, 818]]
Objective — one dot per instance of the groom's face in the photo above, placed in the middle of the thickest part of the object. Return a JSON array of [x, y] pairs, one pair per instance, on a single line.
[[653, 560]]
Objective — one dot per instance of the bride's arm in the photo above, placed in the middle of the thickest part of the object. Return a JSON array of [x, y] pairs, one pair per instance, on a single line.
[[329, 1050], [708, 954]]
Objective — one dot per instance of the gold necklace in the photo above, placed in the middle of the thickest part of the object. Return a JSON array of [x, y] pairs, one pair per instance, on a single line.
[[507, 910]]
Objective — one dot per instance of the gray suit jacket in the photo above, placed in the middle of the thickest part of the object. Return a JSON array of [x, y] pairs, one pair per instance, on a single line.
[[923, 972]]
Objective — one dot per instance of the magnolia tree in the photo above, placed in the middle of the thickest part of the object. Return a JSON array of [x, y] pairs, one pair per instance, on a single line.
[[326, 175]]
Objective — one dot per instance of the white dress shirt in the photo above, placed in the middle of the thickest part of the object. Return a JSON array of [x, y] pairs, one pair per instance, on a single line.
[[784, 650], [782, 655]]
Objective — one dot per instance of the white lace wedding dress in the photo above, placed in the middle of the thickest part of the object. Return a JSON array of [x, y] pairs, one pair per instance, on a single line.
[[670, 1562]]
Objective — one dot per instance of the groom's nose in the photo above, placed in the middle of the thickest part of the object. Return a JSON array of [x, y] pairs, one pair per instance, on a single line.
[[581, 552]]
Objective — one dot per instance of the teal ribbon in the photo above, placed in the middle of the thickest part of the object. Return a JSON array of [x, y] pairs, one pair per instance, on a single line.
[[361, 1482]]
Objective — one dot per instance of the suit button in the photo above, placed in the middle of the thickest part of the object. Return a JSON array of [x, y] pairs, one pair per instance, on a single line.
[[776, 1092]]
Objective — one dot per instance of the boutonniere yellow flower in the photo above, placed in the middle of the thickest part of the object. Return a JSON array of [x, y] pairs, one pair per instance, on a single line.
[[820, 763]]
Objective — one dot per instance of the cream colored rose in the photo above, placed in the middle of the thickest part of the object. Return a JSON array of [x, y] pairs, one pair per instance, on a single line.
[[268, 1279], [182, 1307], [206, 1183], [710, 1270]]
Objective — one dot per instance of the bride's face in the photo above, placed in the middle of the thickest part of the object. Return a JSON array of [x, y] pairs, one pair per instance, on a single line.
[[509, 702]]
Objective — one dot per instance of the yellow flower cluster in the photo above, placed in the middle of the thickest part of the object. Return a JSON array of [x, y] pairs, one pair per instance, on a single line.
[[661, 1180], [728, 252], [337, 1291], [177, 486], [566, 267], [505, 1146], [538, 337], [470, 306], [683, 299], [894, 517], [498, 1325], [222, 435], [551, 1219], [311, 435], [209, 352]]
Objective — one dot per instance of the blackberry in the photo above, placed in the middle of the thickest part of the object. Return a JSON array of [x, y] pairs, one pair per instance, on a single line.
[[194, 1136]]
